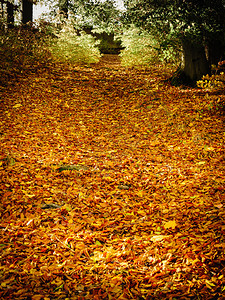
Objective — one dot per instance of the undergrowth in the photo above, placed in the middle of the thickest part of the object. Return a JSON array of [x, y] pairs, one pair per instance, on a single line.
[[24, 49], [142, 48], [69, 46], [21, 49]]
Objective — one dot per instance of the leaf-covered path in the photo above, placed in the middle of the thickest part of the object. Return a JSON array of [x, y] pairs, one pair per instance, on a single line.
[[113, 186]]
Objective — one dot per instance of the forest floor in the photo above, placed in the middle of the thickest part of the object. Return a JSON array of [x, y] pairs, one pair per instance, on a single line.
[[112, 184]]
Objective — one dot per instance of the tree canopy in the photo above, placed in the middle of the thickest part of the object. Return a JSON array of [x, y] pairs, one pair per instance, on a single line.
[[182, 19], [91, 13]]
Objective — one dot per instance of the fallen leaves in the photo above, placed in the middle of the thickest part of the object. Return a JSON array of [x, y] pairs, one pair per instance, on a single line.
[[112, 189]]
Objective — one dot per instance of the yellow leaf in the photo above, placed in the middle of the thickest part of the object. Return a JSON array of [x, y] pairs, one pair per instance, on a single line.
[[201, 163], [209, 284], [157, 238], [209, 149], [142, 212], [170, 224], [7, 281], [122, 297], [30, 195], [195, 261], [155, 143], [17, 105]]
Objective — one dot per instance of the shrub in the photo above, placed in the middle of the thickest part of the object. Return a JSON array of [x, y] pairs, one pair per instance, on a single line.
[[142, 48], [21, 49], [23, 45], [138, 46], [69, 46]]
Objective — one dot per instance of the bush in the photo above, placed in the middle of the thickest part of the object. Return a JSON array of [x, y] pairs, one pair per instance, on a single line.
[[27, 48], [68, 46], [21, 49], [22, 46], [141, 48]]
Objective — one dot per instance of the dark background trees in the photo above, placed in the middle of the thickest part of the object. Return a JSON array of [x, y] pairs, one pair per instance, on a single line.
[[8, 7], [100, 19], [27, 11], [10, 14], [11, 7]]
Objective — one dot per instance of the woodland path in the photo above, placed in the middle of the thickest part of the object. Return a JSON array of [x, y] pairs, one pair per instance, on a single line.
[[110, 60], [138, 212]]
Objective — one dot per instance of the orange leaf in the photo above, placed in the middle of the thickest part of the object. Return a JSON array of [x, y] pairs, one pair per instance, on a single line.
[[170, 224]]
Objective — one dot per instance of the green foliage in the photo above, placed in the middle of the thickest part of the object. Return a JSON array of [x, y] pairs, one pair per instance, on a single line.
[[103, 15], [71, 47], [98, 14], [142, 48], [109, 47], [139, 47], [108, 44], [188, 19]]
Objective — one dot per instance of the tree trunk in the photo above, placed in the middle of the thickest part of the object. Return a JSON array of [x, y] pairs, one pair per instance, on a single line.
[[27, 11], [216, 51], [10, 15], [194, 62]]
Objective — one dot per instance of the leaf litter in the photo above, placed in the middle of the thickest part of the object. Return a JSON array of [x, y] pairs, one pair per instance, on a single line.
[[112, 187]]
